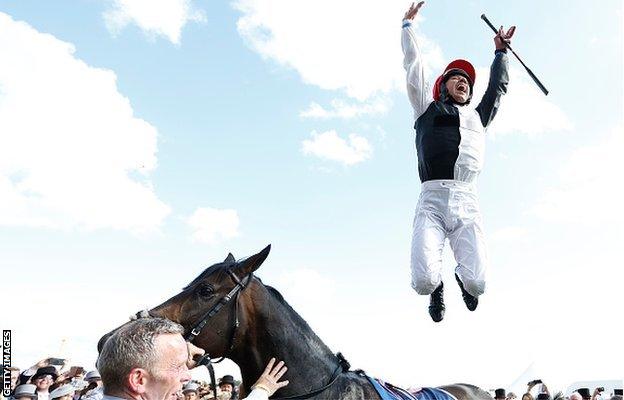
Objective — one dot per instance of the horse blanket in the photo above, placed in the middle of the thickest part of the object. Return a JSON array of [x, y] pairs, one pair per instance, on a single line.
[[388, 391]]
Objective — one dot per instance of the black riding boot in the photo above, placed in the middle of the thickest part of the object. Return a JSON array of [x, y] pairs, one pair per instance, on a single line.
[[436, 303], [471, 301]]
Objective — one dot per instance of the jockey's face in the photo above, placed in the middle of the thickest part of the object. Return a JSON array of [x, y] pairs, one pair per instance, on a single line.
[[458, 88]]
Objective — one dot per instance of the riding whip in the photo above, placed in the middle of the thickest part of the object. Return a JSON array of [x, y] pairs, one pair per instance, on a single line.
[[537, 81]]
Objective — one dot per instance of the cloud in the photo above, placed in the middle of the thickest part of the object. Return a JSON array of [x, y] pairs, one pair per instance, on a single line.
[[154, 17], [211, 225], [309, 292], [333, 45], [343, 109], [365, 62], [524, 109], [589, 182], [72, 154], [328, 145]]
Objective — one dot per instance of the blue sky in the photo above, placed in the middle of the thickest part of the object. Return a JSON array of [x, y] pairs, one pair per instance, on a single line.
[[141, 143]]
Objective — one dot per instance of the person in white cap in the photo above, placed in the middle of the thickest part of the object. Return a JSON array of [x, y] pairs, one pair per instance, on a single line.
[[25, 392], [94, 390], [190, 391], [450, 145]]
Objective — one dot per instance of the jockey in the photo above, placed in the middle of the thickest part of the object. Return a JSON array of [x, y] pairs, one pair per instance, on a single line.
[[450, 141]]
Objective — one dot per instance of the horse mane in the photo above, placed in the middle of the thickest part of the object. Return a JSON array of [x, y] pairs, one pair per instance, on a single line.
[[277, 294]]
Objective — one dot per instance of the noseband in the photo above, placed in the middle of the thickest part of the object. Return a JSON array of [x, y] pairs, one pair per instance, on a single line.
[[206, 360]]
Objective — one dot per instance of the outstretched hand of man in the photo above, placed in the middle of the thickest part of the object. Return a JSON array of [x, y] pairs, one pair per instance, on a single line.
[[413, 10], [502, 38], [269, 379]]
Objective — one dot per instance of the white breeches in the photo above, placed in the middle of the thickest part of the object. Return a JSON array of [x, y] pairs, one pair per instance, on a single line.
[[448, 209]]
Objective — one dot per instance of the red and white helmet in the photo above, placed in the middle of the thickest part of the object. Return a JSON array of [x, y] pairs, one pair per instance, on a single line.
[[461, 65]]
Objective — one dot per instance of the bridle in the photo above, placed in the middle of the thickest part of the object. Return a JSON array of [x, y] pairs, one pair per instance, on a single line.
[[207, 361], [233, 293]]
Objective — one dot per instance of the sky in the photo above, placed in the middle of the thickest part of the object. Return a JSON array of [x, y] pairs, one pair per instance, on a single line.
[[141, 141]]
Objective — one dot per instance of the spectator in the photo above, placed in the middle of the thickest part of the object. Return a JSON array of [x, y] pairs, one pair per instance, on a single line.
[[204, 392], [500, 394], [530, 386], [190, 391], [148, 359], [94, 390], [43, 379], [511, 396], [227, 385], [93, 377], [25, 392], [576, 396]]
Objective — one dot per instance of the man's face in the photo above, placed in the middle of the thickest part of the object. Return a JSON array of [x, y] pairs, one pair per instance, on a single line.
[[43, 382], [190, 396], [170, 372], [226, 387], [458, 88]]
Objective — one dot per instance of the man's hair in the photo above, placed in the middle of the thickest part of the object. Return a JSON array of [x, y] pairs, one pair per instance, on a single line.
[[132, 346]]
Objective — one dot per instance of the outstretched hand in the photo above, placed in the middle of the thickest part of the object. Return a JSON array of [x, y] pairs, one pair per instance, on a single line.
[[502, 38], [413, 10], [270, 377]]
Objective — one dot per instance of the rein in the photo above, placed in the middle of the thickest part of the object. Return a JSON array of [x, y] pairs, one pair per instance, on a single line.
[[207, 361]]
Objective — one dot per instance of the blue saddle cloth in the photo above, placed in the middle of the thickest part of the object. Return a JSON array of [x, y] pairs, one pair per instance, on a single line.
[[388, 391]]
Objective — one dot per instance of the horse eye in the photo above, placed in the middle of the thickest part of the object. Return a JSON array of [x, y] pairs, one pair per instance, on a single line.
[[205, 291]]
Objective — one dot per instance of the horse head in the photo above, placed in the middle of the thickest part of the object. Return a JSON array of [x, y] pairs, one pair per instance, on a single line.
[[212, 300]]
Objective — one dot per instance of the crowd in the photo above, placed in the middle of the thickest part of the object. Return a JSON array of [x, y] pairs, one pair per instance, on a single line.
[[44, 381], [537, 390], [51, 379], [148, 359]]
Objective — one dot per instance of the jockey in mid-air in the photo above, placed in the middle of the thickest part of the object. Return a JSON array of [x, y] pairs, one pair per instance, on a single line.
[[450, 141]]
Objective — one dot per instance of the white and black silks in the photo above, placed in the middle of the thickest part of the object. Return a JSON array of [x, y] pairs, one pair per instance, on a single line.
[[450, 144]]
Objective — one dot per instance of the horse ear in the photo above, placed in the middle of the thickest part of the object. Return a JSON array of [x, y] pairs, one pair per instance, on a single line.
[[229, 258], [251, 264]]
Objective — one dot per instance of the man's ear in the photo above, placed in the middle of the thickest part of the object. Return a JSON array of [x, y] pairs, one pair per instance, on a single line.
[[137, 380]]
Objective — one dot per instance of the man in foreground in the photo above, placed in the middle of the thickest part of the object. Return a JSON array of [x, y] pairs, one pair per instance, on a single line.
[[148, 359]]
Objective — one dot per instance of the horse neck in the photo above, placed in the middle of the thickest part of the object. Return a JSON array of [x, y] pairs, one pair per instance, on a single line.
[[274, 329]]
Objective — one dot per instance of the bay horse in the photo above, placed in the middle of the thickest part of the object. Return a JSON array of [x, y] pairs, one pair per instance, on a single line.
[[250, 322]]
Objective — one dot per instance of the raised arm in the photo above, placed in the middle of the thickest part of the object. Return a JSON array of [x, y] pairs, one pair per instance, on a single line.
[[417, 90], [499, 78]]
